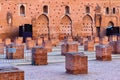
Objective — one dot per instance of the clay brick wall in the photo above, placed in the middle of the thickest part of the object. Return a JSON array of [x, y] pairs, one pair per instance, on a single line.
[[56, 21]]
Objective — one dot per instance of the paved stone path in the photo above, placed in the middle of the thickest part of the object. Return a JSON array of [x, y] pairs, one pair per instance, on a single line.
[[97, 70]]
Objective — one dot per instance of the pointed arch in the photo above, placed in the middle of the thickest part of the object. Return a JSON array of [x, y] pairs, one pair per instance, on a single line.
[[66, 26], [111, 24], [87, 26], [22, 10], [42, 24]]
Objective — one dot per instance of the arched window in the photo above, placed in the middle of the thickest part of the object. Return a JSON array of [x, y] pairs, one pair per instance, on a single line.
[[87, 9], [45, 9], [22, 10], [67, 10], [114, 10], [107, 10]]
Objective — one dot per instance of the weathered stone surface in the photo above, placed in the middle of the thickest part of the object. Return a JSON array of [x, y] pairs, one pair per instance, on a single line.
[[39, 56], [76, 63], [11, 73], [89, 46], [103, 52], [15, 51], [69, 47]]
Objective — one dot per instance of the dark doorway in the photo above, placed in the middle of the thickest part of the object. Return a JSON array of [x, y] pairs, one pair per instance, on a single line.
[[98, 31]]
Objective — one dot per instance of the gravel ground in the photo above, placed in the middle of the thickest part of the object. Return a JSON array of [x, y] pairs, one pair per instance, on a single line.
[[97, 70]]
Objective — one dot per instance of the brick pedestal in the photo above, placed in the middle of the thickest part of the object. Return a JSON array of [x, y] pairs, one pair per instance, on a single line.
[[113, 44], [89, 46], [39, 56], [113, 38], [15, 51], [48, 46], [76, 63], [7, 41], [39, 41], [30, 44], [118, 47], [103, 52], [2, 48], [104, 41], [11, 73], [69, 47], [97, 40]]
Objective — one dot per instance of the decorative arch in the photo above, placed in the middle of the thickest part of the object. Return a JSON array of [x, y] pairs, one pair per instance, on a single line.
[[42, 24], [66, 26], [87, 26], [67, 9], [22, 10], [111, 24]]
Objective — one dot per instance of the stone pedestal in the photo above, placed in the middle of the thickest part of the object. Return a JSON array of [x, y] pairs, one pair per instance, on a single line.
[[104, 41], [113, 38], [97, 40], [18, 40], [69, 47], [103, 52], [89, 46], [2, 48], [15, 51], [113, 44], [76, 63], [11, 73], [39, 56], [30, 44], [39, 42], [118, 47], [7, 41], [48, 46]]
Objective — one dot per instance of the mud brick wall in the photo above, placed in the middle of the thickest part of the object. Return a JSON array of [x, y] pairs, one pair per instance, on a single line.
[[19, 53], [2, 48], [76, 63], [39, 56], [69, 47], [89, 46], [103, 52], [48, 45], [118, 47], [11, 74]]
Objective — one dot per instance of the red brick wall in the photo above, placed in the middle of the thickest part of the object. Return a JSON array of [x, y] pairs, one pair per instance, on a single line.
[[56, 13]]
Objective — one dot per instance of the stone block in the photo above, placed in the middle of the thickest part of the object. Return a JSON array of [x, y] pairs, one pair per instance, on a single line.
[[103, 52], [118, 47], [69, 47], [48, 46], [89, 46], [76, 63], [97, 40], [11, 73], [30, 44], [15, 51], [7, 41], [2, 48], [113, 44], [39, 56]]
